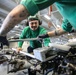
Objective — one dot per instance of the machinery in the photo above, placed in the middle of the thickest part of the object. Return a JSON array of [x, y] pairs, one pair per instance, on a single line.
[[61, 59]]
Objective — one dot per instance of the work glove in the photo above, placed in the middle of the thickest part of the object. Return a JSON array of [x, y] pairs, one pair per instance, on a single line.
[[73, 31], [43, 36], [3, 41]]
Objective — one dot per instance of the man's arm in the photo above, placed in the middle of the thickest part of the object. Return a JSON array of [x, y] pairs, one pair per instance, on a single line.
[[56, 32], [18, 14], [53, 33]]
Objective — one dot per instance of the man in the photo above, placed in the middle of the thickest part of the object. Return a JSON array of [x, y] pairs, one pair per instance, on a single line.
[[32, 31], [67, 8]]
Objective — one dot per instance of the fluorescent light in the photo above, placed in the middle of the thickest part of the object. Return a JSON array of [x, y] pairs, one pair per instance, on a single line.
[[47, 17]]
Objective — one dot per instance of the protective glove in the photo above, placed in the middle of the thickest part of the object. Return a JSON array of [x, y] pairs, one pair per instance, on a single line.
[[73, 31], [43, 36], [3, 41], [40, 40]]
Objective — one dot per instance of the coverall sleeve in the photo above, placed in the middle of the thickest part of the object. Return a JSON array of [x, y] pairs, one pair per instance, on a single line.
[[33, 6], [66, 25], [22, 36]]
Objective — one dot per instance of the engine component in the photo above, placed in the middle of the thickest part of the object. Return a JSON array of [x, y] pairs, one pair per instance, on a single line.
[[3, 59], [44, 53]]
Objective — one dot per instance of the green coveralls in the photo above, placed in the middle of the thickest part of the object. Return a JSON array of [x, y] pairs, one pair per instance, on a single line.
[[28, 33], [67, 8]]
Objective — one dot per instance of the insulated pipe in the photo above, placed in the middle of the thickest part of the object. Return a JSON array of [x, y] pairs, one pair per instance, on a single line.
[[27, 54], [59, 46], [29, 39]]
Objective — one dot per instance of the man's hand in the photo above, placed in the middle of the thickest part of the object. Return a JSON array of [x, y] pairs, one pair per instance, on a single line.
[[19, 49], [3, 41]]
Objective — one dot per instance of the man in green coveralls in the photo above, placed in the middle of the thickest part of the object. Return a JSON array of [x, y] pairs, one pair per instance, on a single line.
[[32, 31], [67, 9]]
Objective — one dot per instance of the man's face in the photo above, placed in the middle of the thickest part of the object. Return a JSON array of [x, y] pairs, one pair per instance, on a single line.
[[34, 24]]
